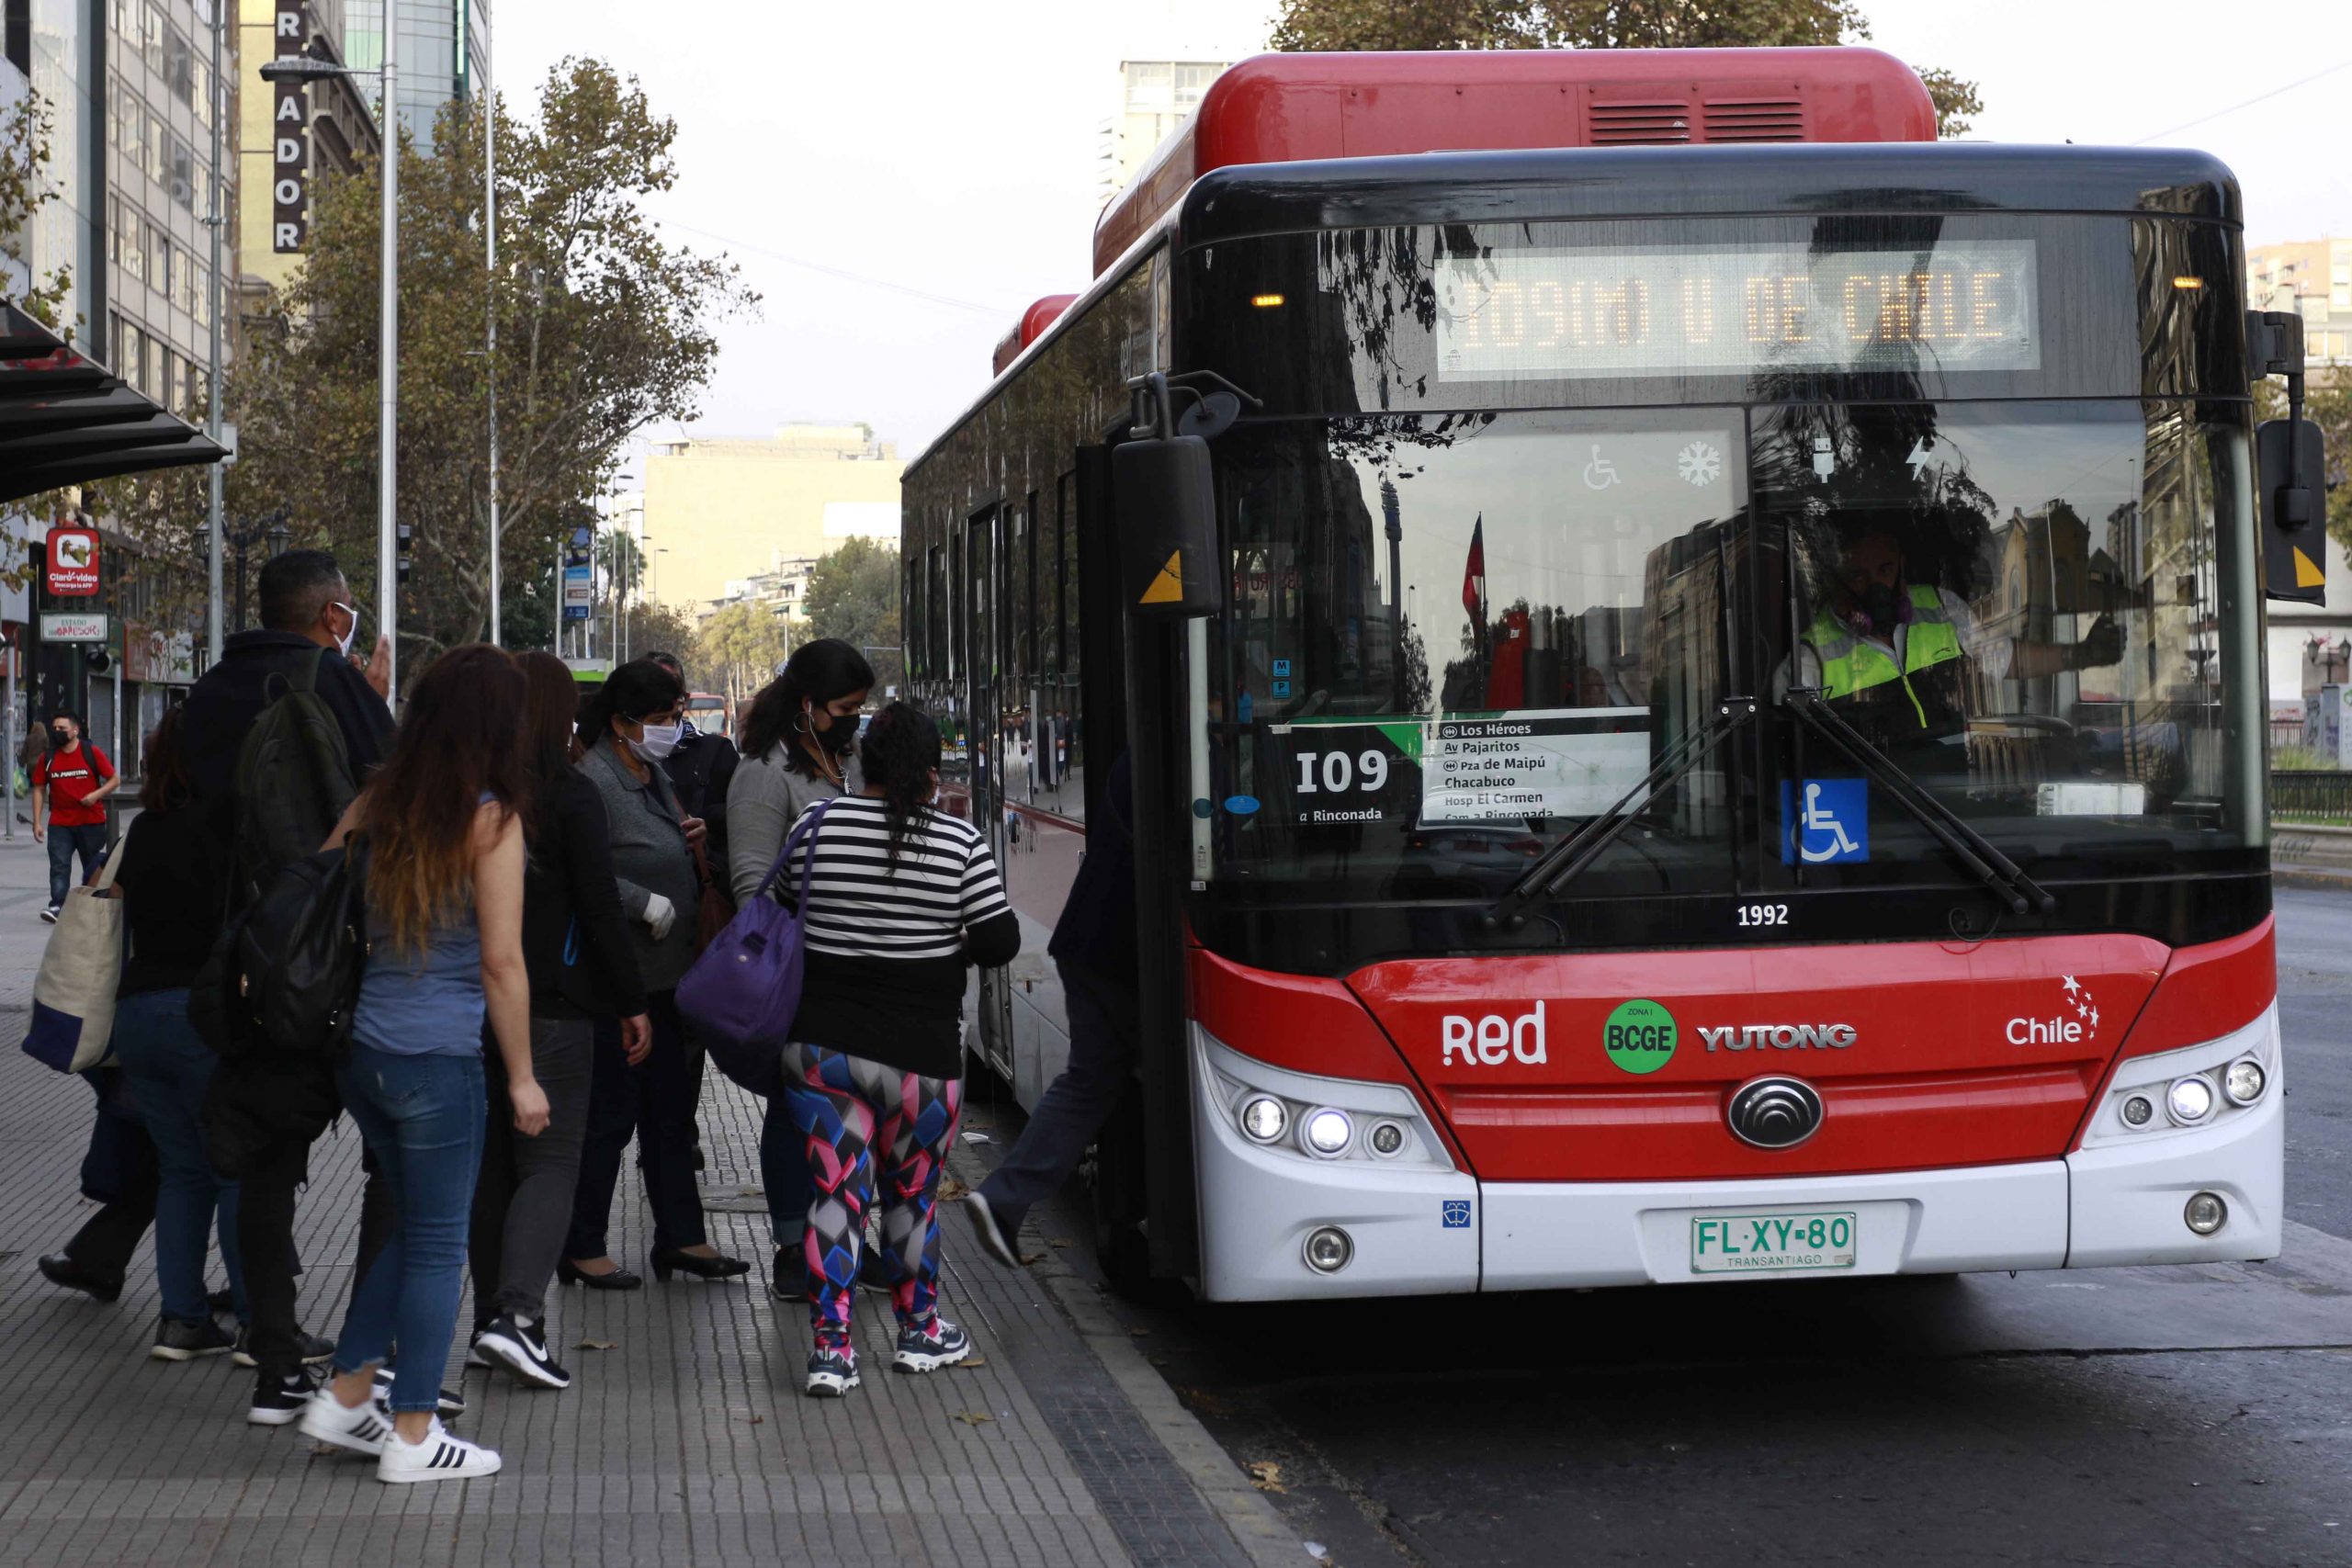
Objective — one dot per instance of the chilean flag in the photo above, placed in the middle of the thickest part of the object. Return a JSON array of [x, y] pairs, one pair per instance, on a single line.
[[1474, 575]]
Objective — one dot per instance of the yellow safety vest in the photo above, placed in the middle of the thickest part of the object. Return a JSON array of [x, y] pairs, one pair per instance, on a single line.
[[1849, 664]]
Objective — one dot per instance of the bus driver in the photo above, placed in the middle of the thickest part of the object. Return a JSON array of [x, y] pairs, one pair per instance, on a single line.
[[1893, 654]]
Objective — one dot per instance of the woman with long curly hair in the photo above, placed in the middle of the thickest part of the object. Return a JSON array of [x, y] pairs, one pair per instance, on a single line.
[[901, 898], [440, 830]]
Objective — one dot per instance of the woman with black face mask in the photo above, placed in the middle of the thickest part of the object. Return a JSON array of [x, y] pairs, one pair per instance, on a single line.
[[797, 750]]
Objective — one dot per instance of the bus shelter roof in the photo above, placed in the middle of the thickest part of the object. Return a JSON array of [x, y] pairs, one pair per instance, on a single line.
[[66, 420]]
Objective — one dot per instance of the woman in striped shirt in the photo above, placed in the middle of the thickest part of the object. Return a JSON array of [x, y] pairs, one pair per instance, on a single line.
[[901, 897]]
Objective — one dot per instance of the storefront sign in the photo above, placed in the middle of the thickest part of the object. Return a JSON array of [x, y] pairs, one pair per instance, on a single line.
[[290, 174], [72, 562], [72, 626]]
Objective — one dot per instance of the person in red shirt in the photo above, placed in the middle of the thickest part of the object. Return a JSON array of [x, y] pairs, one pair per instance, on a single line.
[[71, 784]]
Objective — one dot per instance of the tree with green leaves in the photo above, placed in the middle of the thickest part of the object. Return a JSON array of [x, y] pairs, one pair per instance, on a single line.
[[854, 595], [25, 131], [1600, 24], [739, 647], [602, 329]]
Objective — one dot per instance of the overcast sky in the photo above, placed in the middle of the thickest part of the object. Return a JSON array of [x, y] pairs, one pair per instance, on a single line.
[[900, 180]]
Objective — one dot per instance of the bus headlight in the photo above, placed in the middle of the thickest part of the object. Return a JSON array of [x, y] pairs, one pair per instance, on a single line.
[[2190, 1100], [1327, 1131], [2244, 1081], [1264, 1119]]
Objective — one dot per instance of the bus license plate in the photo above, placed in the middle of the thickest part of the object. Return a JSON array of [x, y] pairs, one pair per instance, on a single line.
[[1771, 1243]]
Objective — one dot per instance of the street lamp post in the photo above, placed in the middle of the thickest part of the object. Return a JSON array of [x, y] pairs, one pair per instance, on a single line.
[[305, 68], [217, 305]]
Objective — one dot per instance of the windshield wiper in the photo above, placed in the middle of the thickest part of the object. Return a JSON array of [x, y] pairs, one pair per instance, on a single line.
[[1971, 848], [1567, 860]]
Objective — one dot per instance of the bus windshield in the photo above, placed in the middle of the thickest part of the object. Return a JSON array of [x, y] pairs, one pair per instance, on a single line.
[[1452, 638]]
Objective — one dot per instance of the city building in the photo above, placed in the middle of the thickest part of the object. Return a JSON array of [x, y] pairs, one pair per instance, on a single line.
[[57, 51], [1156, 96], [2312, 277], [445, 54], [289, 136], [720, 510]]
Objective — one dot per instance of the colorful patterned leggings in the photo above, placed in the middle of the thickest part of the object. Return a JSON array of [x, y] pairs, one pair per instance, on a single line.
[[852, 1112]]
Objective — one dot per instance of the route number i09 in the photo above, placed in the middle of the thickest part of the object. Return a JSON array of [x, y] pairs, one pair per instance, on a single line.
[[1337, 772]]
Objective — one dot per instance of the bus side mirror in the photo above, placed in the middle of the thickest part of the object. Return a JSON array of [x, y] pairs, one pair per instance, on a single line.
[[2290, 462], [1163, 492]]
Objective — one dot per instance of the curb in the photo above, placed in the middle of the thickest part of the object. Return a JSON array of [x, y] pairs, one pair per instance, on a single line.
[[1257, 1528], [2312, 878]]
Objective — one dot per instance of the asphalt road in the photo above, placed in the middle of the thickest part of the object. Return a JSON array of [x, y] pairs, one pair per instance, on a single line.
[[2192, 1416]]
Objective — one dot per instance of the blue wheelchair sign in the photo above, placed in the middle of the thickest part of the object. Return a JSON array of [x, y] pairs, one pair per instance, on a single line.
[[1831, 825]]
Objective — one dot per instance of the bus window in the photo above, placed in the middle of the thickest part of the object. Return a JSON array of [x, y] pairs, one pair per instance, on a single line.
[[2021, 603], [1453, 637]]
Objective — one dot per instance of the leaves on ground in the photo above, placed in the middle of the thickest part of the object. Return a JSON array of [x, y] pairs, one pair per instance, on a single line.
[[599, 1344], [1029, 1258], [1265, 1475], [970, 1363], [974, 1417], [951, 1189]]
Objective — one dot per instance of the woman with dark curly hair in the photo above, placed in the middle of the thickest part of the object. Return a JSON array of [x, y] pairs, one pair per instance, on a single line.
[[901, 898]]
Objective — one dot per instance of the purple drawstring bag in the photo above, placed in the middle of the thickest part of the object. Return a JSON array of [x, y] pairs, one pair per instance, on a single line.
[[741, 994]]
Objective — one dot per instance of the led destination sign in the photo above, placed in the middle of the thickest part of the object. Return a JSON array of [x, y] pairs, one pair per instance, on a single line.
[[1565, 315]]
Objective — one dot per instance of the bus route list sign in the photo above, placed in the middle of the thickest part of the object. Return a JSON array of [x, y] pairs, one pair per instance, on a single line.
[[1493, 768]]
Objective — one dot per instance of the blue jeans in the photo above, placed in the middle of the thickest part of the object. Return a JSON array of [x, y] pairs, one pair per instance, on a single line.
[[423, 1119], [89, 841], [784, 1171], [169, 1067]]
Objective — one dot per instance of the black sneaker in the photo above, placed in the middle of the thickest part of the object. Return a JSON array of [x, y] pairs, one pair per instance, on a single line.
[[926, 1347], [222, 1301], [788, 1275], [177, 1341], [278, 1402], [59, 1268], [449, 1402], [49, 914], [832, 1372], [313, 1349], [522, 1349]]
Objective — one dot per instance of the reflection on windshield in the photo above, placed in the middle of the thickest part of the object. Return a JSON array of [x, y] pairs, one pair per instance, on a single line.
[[2021, 605], [1459, 635]]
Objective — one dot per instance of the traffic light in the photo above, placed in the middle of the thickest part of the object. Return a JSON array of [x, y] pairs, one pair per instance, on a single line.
[[402, 534]]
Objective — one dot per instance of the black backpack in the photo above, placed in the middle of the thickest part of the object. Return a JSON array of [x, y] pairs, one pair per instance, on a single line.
[[285, 976], [294, 778]]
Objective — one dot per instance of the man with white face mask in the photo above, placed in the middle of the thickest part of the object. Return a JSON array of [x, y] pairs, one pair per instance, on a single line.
[[305, 606]]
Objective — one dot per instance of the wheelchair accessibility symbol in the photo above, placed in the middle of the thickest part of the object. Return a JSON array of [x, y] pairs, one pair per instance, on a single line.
[[1833, 825], [1458, 1213]]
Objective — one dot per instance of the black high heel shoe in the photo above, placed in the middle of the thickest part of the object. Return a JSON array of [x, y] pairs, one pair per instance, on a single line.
[[667, 1259], [615, 1278]]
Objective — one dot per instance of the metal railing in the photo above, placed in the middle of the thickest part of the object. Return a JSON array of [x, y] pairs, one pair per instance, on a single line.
[[2297, 794]]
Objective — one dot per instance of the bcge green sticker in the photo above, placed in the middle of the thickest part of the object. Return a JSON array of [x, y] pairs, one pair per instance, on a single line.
[[1639, 1036]]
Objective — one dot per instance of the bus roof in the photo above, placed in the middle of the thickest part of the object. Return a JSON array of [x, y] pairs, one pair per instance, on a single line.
[[1280, 108], [1660, 181], [1026, 331]]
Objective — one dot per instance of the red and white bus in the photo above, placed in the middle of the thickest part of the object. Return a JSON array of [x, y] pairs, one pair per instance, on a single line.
[[1726, 737]]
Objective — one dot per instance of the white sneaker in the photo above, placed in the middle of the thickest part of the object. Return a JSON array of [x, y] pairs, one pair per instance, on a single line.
[[440, 1457], [360, 1430]]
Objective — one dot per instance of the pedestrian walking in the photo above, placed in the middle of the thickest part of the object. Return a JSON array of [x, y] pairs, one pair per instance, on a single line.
[[629, 727], [71, 788], [1094, 950], [583, 967], [441, 821], [170, 880], [798, 746], [121, 1173], [901, 897], [266, 1109]]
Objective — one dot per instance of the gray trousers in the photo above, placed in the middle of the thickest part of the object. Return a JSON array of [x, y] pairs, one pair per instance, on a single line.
[[523, 1202], [1103, 1016]]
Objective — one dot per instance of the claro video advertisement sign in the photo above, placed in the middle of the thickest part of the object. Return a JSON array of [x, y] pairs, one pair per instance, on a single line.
[[72, 562]]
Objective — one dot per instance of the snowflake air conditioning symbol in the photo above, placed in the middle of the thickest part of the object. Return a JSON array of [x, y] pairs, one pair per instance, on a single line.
[[2078, 996], [1699, 464]]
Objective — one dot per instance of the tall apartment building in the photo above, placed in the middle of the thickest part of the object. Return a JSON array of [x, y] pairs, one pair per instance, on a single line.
[[289, 136], [2314, 278], [444, 55], [1155, 97], [721, 510], [59, 51]]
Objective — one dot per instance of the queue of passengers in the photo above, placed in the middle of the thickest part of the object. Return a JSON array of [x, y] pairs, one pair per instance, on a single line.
[[539, 874]]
